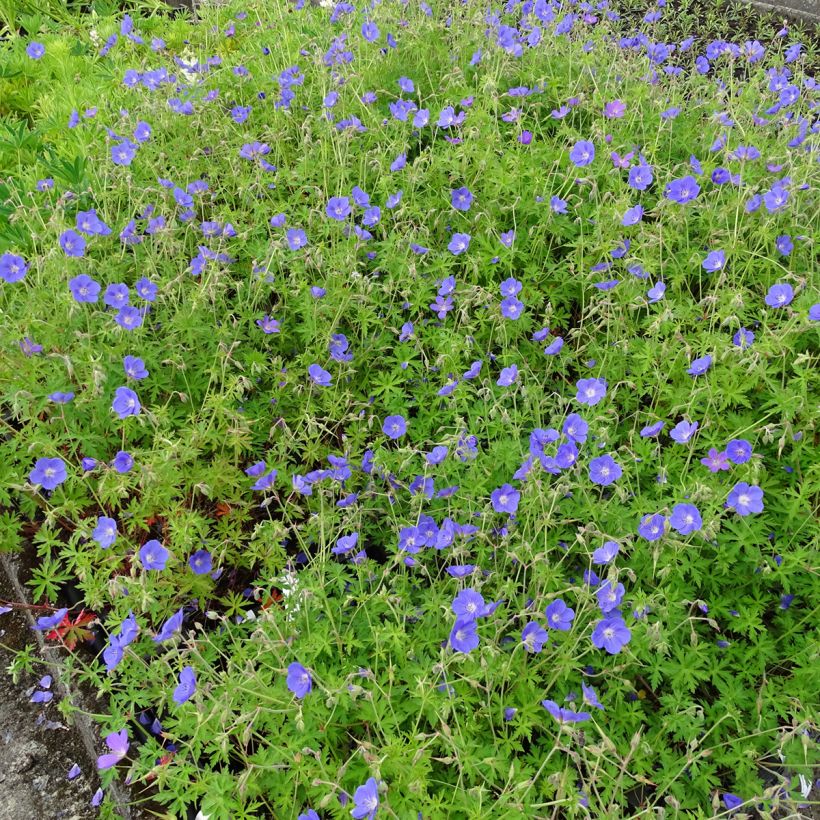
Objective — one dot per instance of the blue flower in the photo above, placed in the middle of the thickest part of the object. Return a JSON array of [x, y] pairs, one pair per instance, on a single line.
[[366, 801], [582, 153], [604, 470], [187, 686], [394, 427], [699, 366], [105, 533], [685, 519], [201, 562], [464, 635], [319, 375], [299, 680]]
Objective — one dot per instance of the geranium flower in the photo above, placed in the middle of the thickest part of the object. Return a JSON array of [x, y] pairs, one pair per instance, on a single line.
[[559, 616], [611, 634], [505, 499], [186, 688], [464, 635], [563, 715], [366, 801], [745, 499], [299, 680], [48, 473], [117, 742]]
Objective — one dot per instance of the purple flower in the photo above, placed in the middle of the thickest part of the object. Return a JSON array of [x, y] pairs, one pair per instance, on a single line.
[[296, 238], [265, 481], [201, 562], [116, 295], [461, 199], [370, 32], [84, 289], [615, 109], [394, 427], [590, 391], [13, 268], [682, 190], [153, 555], [299, 680], [699, 366], [30, 347], [105, 533], [715, 460], [743, 338], [508, 376], [784, 245], [683, 431], [366, 801], [591, 696], [575, 428], [146, 289], [129, 318], [745, 499], [122, 462], [651, 527], [170, 627], [468, 604], [123, 153], [89, 223], [605, 553], [48, 473], [61, 398], [640, 177], [464, 635], [345, 544], [611, 634], [534, 636], [319, 376], [338, 208], [563, 715], [656, 292], [511, 308], [732, 801], [268, 325], [134, 368], [582, 153], [739, 451], [35, 50], [558, 205], [559, 616], [779, 295], [505, 499], [609, 596], [604, 470], [632, 216], [459, 243], [187, 686], [126, 402], [50, 621], [117, 742], [685, 519], [72, 243], [437, 455], [715, 261]]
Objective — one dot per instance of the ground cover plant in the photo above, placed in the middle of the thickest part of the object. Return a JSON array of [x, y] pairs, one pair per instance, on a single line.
[[422, 402]]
